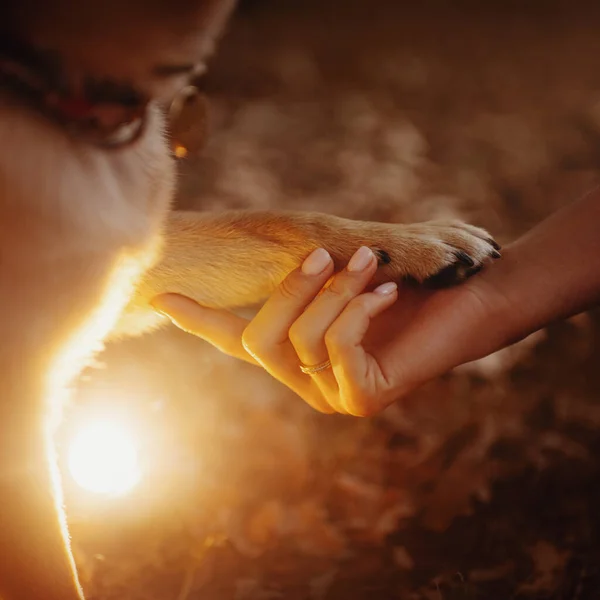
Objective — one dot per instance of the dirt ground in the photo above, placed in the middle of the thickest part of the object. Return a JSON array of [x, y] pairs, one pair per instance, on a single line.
[[482, 485]]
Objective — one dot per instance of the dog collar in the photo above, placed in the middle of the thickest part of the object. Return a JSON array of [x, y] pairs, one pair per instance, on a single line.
[[104, 113]]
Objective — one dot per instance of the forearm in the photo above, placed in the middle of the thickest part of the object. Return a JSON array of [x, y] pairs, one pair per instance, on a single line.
[[550, 273]]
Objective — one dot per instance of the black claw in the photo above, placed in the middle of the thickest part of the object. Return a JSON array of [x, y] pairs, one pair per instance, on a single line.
[[496, 254], [451, 275], [494, 244], [383, 258], [465, 259]]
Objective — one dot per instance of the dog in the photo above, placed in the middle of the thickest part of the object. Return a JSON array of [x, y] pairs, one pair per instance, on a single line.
[[88, 239]]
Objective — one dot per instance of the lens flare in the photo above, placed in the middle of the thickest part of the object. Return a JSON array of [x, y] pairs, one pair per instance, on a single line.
[[103, 458]]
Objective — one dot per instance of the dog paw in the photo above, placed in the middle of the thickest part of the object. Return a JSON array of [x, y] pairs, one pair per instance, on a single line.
[[435, 253]]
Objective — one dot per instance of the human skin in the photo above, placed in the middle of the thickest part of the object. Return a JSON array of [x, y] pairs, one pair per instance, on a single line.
[[384, 343]]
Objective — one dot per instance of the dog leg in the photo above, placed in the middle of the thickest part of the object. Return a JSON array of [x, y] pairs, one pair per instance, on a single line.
[[236, 259]]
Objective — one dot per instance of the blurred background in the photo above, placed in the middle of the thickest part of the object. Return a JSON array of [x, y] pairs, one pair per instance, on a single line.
[[483, 484]]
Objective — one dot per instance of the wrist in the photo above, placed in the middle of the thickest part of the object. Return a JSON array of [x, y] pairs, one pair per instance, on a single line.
[[526, 290], [501, 316]]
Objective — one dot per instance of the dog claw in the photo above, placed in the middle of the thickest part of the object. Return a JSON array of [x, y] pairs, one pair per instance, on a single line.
[[465, 259], [383, 258], [494, 244]]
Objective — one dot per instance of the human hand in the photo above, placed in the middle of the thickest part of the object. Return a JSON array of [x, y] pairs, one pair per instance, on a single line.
[[381, 343]]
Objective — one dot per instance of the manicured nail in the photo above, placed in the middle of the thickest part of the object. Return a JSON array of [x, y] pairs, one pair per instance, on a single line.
[[167, 303], [161, 311], [316, 262], [362, 258], [385, 289]]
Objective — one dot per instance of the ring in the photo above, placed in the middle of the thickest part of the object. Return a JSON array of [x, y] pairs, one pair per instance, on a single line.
[[313, 369]]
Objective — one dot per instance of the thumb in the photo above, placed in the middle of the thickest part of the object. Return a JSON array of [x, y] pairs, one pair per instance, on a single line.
[[220, 328]]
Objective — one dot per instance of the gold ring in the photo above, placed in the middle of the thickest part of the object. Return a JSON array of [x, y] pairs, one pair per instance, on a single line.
[[313, 369]]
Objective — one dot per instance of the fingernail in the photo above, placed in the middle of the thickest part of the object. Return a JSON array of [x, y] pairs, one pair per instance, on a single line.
[[362, 258], [316, 262], [385, 289], [167, 303], [161, 303], [162, 313]]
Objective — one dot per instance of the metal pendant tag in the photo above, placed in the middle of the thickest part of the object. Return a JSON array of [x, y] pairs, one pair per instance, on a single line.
[[188, 122]]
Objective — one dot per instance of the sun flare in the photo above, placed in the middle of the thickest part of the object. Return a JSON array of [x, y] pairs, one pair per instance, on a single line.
[[103, 458]]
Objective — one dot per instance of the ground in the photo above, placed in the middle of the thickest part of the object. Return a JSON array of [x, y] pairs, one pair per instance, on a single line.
[[483, 484]]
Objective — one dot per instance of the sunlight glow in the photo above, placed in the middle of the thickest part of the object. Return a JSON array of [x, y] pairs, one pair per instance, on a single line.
[[103, 458]]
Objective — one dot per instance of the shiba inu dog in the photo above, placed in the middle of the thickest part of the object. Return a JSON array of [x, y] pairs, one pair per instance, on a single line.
[[87, 237]]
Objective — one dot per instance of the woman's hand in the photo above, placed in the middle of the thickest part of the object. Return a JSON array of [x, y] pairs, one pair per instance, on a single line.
[[379, 347], [384, 343]]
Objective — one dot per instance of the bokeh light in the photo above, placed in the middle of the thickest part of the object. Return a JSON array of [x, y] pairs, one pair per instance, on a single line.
[[103, 458]]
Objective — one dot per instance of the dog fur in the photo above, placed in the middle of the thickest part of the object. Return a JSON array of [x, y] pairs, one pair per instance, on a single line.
[[87, 240]]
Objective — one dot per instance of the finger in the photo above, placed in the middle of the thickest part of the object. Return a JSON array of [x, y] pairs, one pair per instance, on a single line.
[[224, 330], [220, 328], [361, 381], [268, 331], [307, 334], [266, 336], [308, 331]]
